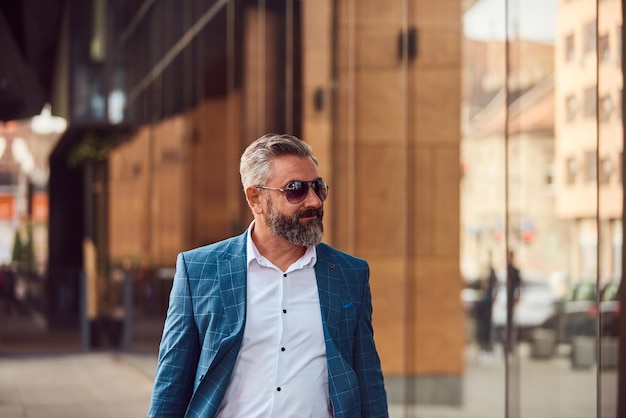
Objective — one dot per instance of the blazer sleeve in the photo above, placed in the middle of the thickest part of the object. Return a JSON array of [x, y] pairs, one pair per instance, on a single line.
[[367, 362], [178, 352]]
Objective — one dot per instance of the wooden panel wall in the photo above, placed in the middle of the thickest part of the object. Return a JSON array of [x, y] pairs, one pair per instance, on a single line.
[[129, 165], [175, 185], [388, 143], [396, 174]]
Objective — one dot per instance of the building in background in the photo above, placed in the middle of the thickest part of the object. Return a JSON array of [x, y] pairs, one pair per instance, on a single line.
[[589, 136], [25, 146], [534, 229]]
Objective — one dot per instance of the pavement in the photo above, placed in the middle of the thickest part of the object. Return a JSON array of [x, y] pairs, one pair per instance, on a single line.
[[94, 385], [57, 379], [112, 385]]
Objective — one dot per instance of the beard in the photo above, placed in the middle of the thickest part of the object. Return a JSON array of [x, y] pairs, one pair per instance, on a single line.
[[290, 228]]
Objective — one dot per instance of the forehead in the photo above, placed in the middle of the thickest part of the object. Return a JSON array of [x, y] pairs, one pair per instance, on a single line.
[[288, 168]]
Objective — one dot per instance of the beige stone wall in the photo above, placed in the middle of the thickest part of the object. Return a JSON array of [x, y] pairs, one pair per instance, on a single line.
[[146, 220], [317, 123], [214, 194], [166, 203], [396, 176], [388, 142], [169, 190], [129, 164], [261, 95]]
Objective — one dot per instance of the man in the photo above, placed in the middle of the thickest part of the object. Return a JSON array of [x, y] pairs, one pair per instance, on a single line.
[[513, 288], [271, 323], [484, 312]]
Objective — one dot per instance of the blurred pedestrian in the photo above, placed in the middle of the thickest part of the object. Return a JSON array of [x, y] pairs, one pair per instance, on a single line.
[[8, 289], [484, 315], [513, 287], [271, 323], [2, 287]]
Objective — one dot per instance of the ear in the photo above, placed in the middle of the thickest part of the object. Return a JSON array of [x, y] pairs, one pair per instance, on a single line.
[[254, 198]]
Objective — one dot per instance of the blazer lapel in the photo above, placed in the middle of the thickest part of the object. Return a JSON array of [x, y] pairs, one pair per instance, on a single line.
[[232, 279], [329, 290], [232, 272]]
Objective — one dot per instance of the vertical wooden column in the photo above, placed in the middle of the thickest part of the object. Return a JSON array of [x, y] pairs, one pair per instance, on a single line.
[[396, 150], [317, 91], [435, 97]]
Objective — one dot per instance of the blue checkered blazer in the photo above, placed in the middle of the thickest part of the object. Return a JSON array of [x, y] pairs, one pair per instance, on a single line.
[[204, 329]]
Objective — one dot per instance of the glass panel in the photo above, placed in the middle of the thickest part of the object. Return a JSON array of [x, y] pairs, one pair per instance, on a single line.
[[610, 189], [558, 190], [483, 208], [374, 95]]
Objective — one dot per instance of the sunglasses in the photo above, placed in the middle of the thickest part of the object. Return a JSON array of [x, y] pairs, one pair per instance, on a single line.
[[296, 191]]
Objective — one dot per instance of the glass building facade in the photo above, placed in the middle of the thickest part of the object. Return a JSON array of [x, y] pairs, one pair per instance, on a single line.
[[465, 142]]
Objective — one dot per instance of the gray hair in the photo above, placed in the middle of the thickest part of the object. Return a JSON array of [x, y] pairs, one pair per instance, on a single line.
[[255, 164]]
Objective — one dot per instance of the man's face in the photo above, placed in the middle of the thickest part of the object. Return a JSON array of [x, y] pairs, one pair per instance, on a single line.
[[294, 228], [299, 223]]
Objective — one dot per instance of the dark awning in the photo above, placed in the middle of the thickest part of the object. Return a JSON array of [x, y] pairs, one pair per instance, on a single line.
[[29, 32]]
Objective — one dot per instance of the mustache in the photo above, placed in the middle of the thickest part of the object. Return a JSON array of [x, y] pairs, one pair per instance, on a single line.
[[309, 213]]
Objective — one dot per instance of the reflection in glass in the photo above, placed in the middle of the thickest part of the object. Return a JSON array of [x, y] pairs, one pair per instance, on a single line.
[[566, 237]]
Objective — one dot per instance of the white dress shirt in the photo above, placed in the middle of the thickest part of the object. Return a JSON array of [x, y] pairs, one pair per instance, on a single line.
[[281, 369]]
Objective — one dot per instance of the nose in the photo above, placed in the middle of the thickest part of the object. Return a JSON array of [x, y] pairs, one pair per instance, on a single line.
[[312, 199]]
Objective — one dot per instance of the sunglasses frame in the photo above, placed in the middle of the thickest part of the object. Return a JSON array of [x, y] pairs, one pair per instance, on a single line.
[[309, 186]]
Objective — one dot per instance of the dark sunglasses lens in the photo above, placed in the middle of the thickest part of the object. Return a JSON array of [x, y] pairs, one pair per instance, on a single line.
[[320, 188], [296, 192]]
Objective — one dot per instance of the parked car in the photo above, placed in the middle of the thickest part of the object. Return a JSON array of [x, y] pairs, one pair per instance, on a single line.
[[576, 313], [610, 309], [534, 305]]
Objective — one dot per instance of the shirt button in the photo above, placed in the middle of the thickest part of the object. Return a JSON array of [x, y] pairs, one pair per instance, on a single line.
[[285, 275], [278, 389], [282, 349], [284, 310]]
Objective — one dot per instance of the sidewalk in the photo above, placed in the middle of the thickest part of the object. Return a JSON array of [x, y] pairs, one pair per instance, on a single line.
[[105, 384], [95, 385]]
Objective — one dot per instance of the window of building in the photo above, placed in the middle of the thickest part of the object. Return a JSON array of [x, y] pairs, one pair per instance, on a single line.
[[591, 166], [571, 108], [590, 102], [617, 246], [571, 169], [606, 169], [588, 241], [589, 36], [606, 108], [570, 48], [604, 48]]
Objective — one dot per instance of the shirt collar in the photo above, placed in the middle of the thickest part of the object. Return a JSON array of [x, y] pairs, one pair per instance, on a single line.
[[308, 259]]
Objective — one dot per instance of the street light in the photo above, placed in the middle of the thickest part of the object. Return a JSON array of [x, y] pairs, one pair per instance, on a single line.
[[45, 123]]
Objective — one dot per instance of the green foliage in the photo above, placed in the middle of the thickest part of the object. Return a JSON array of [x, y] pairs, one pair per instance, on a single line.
[[23, 255], [92, 148], [18, 248]]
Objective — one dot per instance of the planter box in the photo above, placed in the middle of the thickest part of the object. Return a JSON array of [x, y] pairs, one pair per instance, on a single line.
[[583, 352]]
